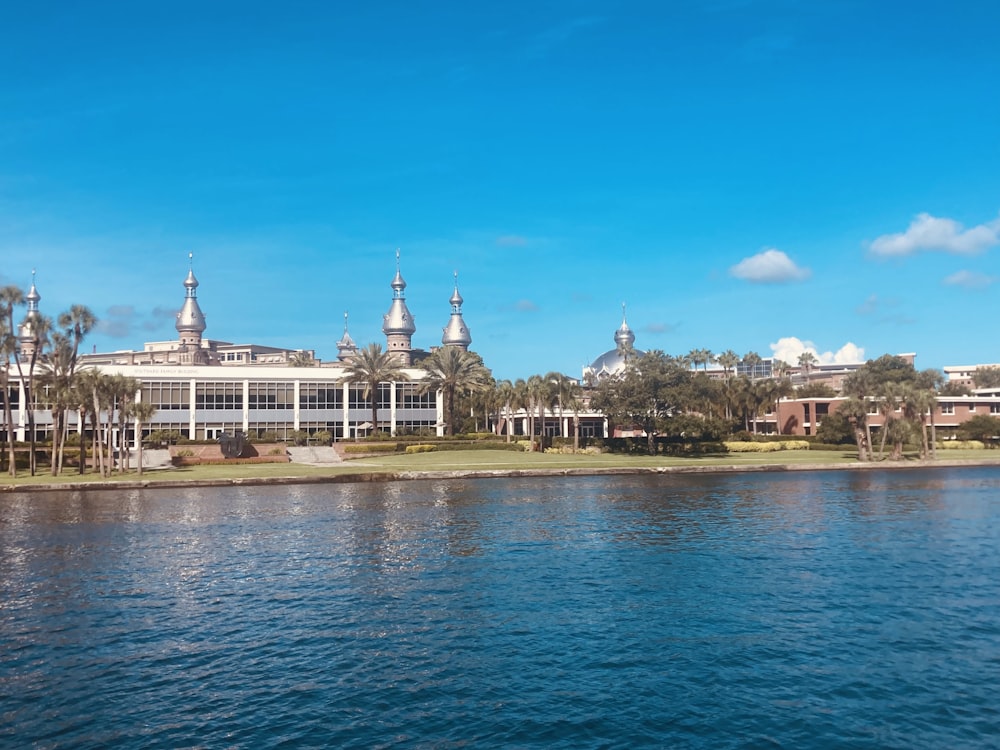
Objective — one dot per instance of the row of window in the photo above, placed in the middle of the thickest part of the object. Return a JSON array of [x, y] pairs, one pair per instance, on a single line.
[[266, 395]]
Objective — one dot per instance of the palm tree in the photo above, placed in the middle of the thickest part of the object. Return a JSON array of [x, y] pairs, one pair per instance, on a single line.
[[855, 410], [449, 370], [539, 395], [91, 386], [506, 395], [10, 296], [142, 411], [56, 378], [806, 361], [728, 360], [920, 403], [124, 389], [889, 398], [700, 357], [370, 367], [77, 323], [8, 349], [523, 401], [561, 389], [750, 361], [301, 359]]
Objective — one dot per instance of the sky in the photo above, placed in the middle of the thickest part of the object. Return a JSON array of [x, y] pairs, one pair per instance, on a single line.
[[772, 176]]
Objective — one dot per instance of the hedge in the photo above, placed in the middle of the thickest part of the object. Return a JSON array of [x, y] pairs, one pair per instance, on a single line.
[[420, 448], [967, 445], [785, 445], [373, 447]]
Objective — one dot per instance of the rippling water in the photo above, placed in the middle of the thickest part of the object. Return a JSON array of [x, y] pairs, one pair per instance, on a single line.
[[803, 610]]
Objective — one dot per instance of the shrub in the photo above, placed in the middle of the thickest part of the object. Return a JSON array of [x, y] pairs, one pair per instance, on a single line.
[[796, 445], [298, 437], [323, 437], [968, 445], [185, 453], [420, 448], [373, 447], [479, 446], [276, 452]]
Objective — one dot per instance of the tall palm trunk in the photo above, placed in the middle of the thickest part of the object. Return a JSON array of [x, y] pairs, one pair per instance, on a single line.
[[8, 414]]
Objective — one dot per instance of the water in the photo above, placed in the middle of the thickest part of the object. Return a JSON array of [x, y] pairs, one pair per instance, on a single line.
[[818, 610]]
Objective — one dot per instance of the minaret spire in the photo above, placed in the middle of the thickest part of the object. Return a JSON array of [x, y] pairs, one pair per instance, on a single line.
[[28, 330], [456, 333], [624, 335], [191, 321], [397, 324], [346, 348]]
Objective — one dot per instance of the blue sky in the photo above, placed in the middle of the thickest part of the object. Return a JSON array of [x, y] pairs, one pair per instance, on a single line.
[[751, 175]]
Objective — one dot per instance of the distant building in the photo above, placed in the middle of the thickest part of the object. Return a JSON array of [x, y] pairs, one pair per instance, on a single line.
[[613, 361]]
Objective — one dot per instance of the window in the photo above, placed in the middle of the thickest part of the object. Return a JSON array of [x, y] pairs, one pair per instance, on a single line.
[[994, 408], [271, 395], [947, 407], [408, 397], [166, 396], [356, 397], [321, 396], [219, 396]]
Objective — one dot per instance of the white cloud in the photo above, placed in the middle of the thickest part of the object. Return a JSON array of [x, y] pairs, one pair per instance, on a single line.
[[789, 348], [928, 232], [769, 266], [970, 279]]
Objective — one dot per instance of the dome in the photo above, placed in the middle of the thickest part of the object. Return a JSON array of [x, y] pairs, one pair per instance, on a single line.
[[613, 362]]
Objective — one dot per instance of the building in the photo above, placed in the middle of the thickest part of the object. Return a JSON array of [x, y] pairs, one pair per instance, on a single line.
[[203, 387], [613, 361]]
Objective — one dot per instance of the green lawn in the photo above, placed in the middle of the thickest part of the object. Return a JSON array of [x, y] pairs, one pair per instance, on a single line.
[[484, 460]]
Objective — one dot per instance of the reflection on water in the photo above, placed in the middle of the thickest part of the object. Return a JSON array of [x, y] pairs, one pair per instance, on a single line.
[[819, 609]]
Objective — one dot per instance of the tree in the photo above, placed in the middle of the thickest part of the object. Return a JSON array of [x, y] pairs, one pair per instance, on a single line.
[[646, 394], [954, 389], [855, 411], [815, 390], [11, 296], [8, 349], [980, 427], [142, 412], [807, 360], [835, 429], [750, 361], [539, 394], [450, 369], [370, 367], [505, 397], [728, 360], [986, 377], [920, 404], [301, 359], [700, 357]]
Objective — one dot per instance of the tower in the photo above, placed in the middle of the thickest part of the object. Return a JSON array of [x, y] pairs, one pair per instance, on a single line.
[[456, 333], [346, 348], [397, 324], [624, 338], [28, 330], [191, 322]]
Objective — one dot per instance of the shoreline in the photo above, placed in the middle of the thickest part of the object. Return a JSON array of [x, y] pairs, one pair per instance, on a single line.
[[405, 476]]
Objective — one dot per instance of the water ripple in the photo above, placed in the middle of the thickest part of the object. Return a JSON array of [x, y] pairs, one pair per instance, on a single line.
[[809, 610]]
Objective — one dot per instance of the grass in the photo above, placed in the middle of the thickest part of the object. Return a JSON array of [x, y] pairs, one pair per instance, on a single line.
[[477, 460]]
